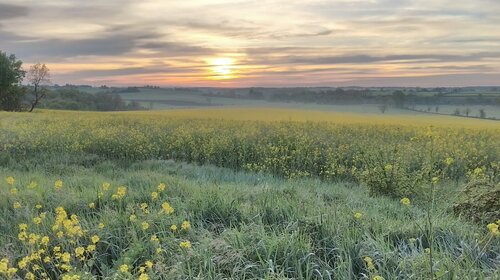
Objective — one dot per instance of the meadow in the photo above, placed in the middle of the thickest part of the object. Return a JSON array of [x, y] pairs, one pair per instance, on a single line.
[[245, 193]]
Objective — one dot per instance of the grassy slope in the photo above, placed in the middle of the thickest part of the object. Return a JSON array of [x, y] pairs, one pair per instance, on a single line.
[[248, 226]]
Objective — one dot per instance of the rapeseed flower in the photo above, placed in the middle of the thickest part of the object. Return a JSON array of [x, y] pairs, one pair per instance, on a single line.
[[405, 201]]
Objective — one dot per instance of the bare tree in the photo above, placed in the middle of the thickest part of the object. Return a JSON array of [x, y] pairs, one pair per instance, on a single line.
[[38, 77]]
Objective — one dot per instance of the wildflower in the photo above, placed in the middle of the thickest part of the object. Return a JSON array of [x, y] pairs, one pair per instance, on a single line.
[[388, 167], [10, 180], [143, 276], [95, 239], [124, 268], [13, 191], [144, 207], [185, 225], [167, 208], [154, 195], [493, 228], [377, 277], [38, 206], [161, 187], [16, 205], [369, 263], [449, 161], [92, 205], [105, 186], [158, 250], [58, 184], [149, 264], [358, 215], [45, 240], [173, 228], [154, 238], [100, 226], [23, 227], [91, 248], [79, 251], [427, 250], [37, 220], [145, 226], [47, 259], [29, 276], [133, 218], [435, 180], [405, 201], [185, 244]]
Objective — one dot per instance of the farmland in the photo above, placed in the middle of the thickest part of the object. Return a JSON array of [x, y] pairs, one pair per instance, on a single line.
[[245, 193]]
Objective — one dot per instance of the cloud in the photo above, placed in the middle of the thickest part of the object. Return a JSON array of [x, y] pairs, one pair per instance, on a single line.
[[9, 11]]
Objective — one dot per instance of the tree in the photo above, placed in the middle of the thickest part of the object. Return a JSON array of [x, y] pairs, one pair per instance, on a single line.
[[11, 76], [38, 77], [383, 108], [482, 113]]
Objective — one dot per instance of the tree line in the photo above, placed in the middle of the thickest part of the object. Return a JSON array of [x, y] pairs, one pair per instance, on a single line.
[[16, 96]]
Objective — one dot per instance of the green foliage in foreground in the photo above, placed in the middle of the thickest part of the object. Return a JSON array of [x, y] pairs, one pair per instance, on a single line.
[[245, 226]]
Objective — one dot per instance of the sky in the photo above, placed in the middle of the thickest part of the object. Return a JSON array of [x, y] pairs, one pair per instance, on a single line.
[[273, 43]]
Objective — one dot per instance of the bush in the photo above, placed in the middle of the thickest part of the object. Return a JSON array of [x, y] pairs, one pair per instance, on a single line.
[[479, 201]]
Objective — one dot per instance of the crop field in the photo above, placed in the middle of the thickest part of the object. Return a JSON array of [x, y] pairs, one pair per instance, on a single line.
[[248, 193]]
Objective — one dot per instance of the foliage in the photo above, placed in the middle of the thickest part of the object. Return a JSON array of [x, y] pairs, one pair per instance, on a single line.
[[242, 226], [11, 76], [479, 201]]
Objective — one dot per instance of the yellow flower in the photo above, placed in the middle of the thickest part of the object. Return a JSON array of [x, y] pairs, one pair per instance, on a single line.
[[158, 250], [405, 201], [37, 220], [435, 180], [161, 187], [23, 226], [173, 227], [167, 208], [358, 215], [427, 250], [133, 218], [145, 226], [92, 205], [369, 263], [105, 186], [449, 161], [79, 251], [143, 276], [91, 248], [378, 278], [154, 195], [493, 228], [185, 244], [95, 239], [10, 180], [16, 205], [13, 191], [144, 207], [58, 184], [154, 238], [388, 167], [124, 268], [185, 225], [149, 264], [45, 240], [38, 206], [101, 225]]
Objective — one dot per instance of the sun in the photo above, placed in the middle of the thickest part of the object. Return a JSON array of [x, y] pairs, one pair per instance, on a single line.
[[222, 68]]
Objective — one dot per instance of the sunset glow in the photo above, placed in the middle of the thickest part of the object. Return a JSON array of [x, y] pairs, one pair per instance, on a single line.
[[248, 43]]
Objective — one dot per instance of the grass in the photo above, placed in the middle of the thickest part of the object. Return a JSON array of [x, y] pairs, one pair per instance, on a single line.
[[244, 225], [324, 222]]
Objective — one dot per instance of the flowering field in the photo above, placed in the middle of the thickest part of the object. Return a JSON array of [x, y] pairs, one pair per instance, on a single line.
[[96, 196]]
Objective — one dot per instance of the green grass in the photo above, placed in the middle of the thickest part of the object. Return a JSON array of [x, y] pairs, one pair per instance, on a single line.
[[245, 225]]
